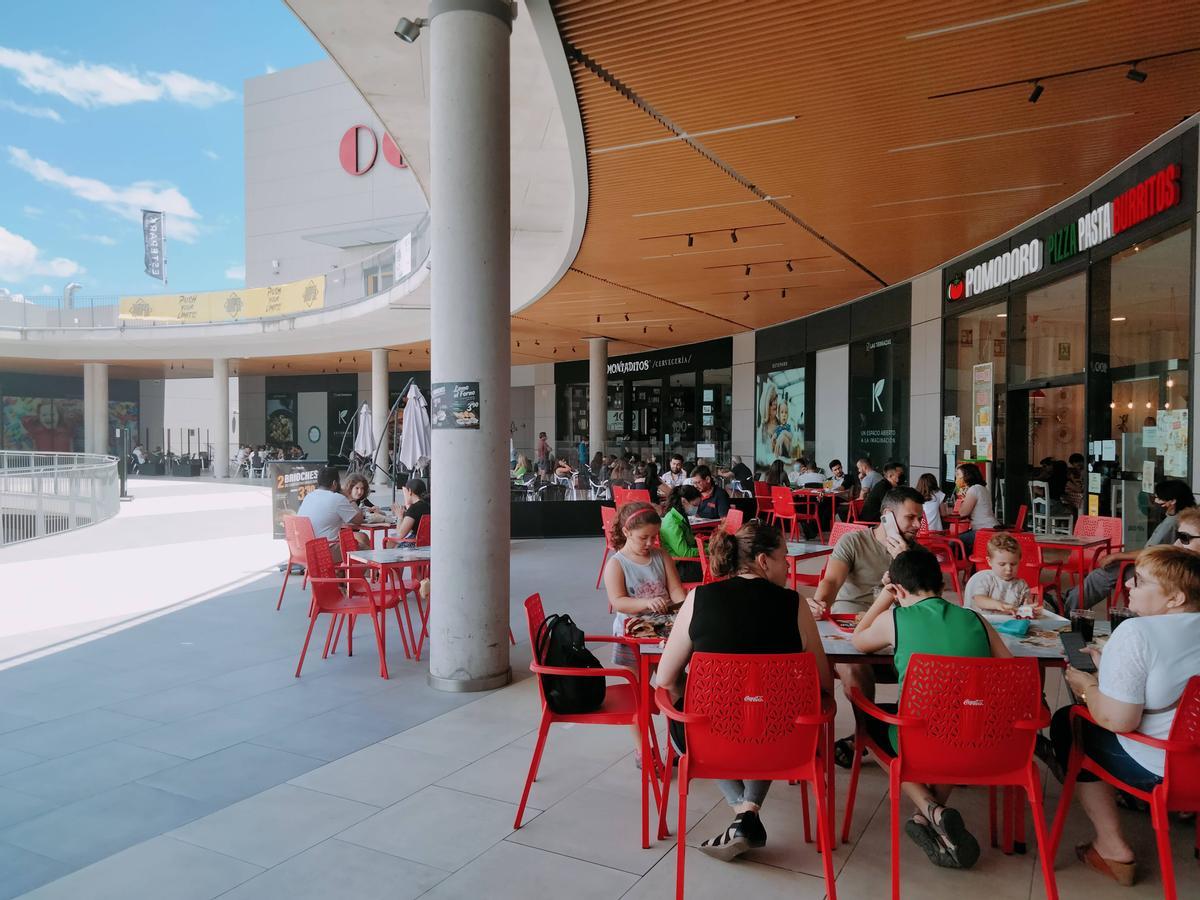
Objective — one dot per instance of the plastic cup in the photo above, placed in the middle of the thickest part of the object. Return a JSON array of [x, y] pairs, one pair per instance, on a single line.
[[1083, 622]]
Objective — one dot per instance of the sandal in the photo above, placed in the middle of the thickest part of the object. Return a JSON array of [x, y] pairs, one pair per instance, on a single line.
[[960, 844], [1123, 874], [746, 832], [843, 752], [1044, 750], [923, 835]]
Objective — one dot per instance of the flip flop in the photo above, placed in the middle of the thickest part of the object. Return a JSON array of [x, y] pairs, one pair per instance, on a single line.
[[1123, 874], [959, 842], [843, 752], [923, 835]]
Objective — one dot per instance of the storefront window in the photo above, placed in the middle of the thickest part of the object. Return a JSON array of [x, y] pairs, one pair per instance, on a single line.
[[571, 419], [716, 411], [616, 415], [879, 397], [974, 339], [1051, 323], [680, 428], [646, 416]]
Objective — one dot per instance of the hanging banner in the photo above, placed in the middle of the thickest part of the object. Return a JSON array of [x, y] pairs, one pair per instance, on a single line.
[[982, 394], [227, 306], [403, 263], [156, 245]]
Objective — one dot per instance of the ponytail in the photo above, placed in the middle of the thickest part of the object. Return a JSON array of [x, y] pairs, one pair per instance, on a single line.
[[734, 553], [678, 494], [632, 515]]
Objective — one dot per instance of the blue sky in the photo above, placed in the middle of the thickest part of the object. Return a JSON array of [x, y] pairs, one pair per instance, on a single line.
[[109, 107]]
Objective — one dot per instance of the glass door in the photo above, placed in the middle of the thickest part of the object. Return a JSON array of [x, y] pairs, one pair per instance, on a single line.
[[1046, 426]]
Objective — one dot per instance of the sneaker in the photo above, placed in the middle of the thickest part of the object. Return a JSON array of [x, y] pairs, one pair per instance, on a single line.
[[746, 832]]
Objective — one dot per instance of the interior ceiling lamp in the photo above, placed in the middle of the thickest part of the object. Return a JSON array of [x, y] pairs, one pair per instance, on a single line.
[[408, 30], [747, 271], [789, 265], [733, 236], [746, 296], [1136, 74], [1037, 394], [691, 240], [783, 294], [1036, 92]]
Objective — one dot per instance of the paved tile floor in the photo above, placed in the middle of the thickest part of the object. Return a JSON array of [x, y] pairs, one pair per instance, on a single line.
[[179, 758]]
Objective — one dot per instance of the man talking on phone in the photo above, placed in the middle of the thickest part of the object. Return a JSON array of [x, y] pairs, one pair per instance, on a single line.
[[856, 573]]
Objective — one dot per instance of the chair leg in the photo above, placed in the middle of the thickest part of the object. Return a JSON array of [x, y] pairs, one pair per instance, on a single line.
[[852, 791], [804, 812], [350, 635], [403, 636], [286, 573], [603, 560], [543, 730], [992, 816], [824, 831], [511, 639], [894, 794], [1162, 835], [1033, 787], [1064, 801], [379, 643], [337, 635], [335, 619], [681, 834], [665, 794], [307, 637]]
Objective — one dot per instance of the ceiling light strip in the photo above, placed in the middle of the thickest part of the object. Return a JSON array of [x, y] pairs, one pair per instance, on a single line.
[[719, 250], [576, 55], [674, 303], [993, 20], [1012, 190], [668, 212], [782, 120], [996, 134]]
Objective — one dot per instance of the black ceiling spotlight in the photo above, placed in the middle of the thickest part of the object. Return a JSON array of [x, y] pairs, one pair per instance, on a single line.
[[783, 294], [597, 320], [733, 235], [626, 317], [746, 296], [747, 271], [643, 329], [555, 349], [408, 30], [1134, 73], [789, 265], [518, 345], [670, 328], [1036, 92], [691, 240]]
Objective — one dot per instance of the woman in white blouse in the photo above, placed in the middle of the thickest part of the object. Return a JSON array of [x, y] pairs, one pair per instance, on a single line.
[[976, 504], [1142, 673]]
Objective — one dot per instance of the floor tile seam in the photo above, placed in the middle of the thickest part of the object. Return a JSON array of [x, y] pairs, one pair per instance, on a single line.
[[528, 806], [638, 875], [870, 818], [560, 854], [418, 862], [183, 760], [45, 759], [110, 787]]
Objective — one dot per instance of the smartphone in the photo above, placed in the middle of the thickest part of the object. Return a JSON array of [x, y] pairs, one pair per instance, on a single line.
[[890, 526]]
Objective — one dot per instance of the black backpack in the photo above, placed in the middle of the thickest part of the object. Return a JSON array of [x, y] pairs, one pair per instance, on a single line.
[[560, 643]]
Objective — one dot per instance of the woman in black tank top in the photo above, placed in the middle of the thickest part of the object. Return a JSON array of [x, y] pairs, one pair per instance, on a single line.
[[749, 611]]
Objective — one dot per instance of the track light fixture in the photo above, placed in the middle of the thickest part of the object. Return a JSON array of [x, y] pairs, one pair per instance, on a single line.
[[733, 236], [518, 345], [783, 294], [536, 342], [1036, 92], [408, 30], [556, 350], [644, 329], [670, 328], [691, 240], [597, 320], [1135, 74], [626, 317], [746, 296], [789, 265], [747, 271]]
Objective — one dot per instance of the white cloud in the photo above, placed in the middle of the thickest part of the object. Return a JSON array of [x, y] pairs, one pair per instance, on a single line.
[[20, 258], [211, 154], [6, 294], [90, 85], [127, 202], [236, 273], [36, 112], [32, 211], [102, 239], [271, 70], [46, 289]]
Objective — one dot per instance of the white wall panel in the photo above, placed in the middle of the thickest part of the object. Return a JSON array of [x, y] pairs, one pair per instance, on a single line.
[[833, 404]]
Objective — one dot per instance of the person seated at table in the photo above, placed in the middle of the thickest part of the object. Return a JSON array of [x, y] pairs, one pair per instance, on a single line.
[[522, 469], [740, 471], [976, 505], [675, 534], [751, 610], [853, 578], [675, 476], [998, 589], [805, 474], [776, 475], [329, 510], [414, 508], [1142, 672], [714, 501], [357, 489], [851, 486], [621, 475], [836, 474], [893, 475], [1172, 496], [1077, 476], [911, 615], [934, 497], [867, 476], [562, 469], [652, 483]]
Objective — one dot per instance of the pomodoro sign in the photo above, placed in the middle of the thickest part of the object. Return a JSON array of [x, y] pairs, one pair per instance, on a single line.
[[1144, 200]]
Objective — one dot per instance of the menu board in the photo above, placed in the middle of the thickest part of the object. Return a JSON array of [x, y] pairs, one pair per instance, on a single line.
[[1172, 441], [455, 404], [982, 390], [290, 484]]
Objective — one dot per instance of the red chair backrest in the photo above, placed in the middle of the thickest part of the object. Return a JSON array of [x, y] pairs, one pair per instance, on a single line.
[[854, 508], [1101, 526], [608, 515], [1182, 780], [979, 549], [535, 615], [734, 519], [423, 532], [621, 496], [782, 503], [967, 707], [347, 542], [297, 531], [704, 566], [1030, 570], [762, 490], [751, 701], [843, 528], [319, 561], [763, 504], [1022, 512]]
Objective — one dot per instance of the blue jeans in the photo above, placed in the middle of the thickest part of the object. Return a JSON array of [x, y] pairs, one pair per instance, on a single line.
[[744, 791], [1102, 746]]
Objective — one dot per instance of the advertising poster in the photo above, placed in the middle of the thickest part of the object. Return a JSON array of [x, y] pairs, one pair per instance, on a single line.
[[951, 434], [780, 416], [1173, 441], [879, 398], [455, 405], [281, 420], [982, 390], [290, 483], [54, 425]]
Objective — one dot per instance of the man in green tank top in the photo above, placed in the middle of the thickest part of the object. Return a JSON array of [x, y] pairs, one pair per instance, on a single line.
[[910, 615]]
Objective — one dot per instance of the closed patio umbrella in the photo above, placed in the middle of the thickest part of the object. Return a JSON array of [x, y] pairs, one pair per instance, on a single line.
[[415, 439], [364, 433]]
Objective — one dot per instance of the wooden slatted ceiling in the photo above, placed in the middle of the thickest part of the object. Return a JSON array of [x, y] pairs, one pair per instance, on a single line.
[[852, 84]]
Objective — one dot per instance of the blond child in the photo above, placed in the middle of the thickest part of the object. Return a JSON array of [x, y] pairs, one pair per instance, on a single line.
[[998, 589]]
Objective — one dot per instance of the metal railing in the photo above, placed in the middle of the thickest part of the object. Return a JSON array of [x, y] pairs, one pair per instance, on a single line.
[[49, 493], [356, 282]]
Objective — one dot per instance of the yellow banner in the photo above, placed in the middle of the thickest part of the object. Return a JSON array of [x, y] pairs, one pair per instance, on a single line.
[[228, 306]]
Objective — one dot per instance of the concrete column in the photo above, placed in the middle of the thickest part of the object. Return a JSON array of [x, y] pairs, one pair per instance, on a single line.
[[469, 146], [220, 426], [597, 395], [100, 407], [89, 411], [379, 409]]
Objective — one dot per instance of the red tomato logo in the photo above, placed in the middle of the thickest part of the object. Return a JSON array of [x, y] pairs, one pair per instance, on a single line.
[[957, 289]]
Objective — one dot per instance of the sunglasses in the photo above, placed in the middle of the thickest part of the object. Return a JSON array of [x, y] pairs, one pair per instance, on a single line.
[[1184, 538]]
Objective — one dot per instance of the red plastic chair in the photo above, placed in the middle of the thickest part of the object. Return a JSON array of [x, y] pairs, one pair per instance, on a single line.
[[961, 721], [297, 531], [979, 555], [836, 532], [754, 715], [854, 509], [620, 700], [1180, 788], [786, 517], [1097, 526], [1032, 565], [808, 509], [340, 597], [621, 496], [764, 506], [421, 539], [1022, 514], [734, 519], [608, 515], [952, 557]]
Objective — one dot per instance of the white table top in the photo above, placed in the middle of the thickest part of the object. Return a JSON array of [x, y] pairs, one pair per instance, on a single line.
[[1069, 540], [807, 548], [392, 555]]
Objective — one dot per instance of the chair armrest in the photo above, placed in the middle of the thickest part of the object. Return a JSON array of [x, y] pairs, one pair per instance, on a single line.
[[828, 711], [602, 639], [859, 699], [1082, 712], [663, 699], [345, 581], [625, 674], [1033, 724]]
